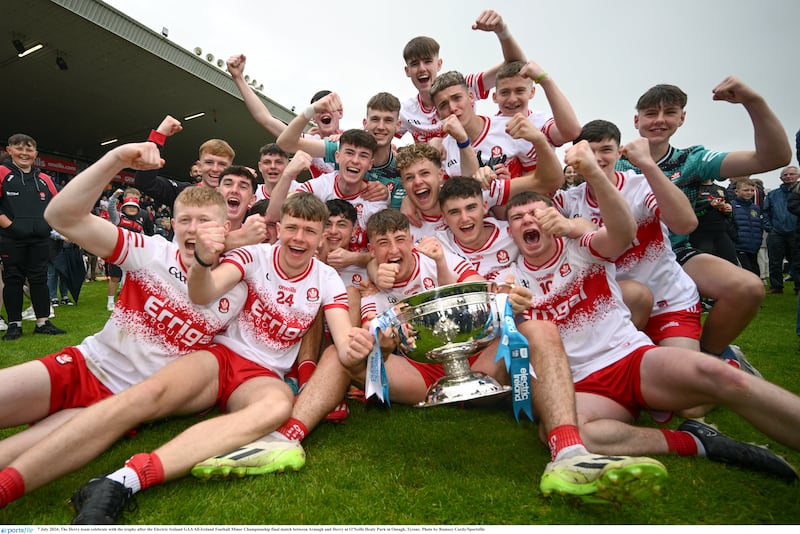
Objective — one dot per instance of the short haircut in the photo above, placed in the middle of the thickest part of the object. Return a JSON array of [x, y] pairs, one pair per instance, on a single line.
[[420, 48], [131, 191], [197, 196], [662, 95], [746, 181], [448, 79], [599, 130], [240, 170], [342, 208], [217, 147], [526, 197], [358, 138], [21, 139], [509, 70], [272, 149], [460, 187], [260, 207], [305, 206], [319, 95], [386, 221], [411, 154], [384, 102]]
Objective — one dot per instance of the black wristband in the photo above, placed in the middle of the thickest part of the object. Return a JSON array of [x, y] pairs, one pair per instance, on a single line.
[[200, 262]]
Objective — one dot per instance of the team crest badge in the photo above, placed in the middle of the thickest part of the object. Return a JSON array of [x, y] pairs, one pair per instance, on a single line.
[[428, 283], [497, 151], [312, 295], [502, 256], [565, 270], [224, 305], [356, 279]]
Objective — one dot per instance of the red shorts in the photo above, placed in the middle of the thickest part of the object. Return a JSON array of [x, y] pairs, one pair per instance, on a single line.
[[619, 382], [234, 371], [72, 385], [431, 372], [684, 323]]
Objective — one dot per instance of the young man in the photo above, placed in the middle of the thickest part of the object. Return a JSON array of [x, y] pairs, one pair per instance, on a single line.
[[153, 323], [421, 54], [25, 236], [737, 293], [327, 122], [616, 368], [272, 162], [381, 122], [515, 88], [409, 270]]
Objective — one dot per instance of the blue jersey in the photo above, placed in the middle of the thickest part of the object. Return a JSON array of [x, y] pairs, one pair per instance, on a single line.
[[686, 168]]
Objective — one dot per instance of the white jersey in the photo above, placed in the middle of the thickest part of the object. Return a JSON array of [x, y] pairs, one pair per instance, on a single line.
[[576, 290], [544, 122], [650, 259], [325, 188], [423, 123], [353, 275], [318, 165], [495, 255], [423, 278], [153, 322], [497, 195], [262, 194], [279, 309], [492, 143]]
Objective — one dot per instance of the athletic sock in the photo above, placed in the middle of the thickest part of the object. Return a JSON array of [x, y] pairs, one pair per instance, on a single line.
[[293, 430], [304, 371], [565, 442], [140, 472], [12, 486], [682, 443]]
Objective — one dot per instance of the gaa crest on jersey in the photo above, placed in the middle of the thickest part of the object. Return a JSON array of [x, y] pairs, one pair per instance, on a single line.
[[64, 359], [502, 256], [497, 151], [356, 279], [359, 208], [564, 270], [224, 305], [312, 295], [428, 283]]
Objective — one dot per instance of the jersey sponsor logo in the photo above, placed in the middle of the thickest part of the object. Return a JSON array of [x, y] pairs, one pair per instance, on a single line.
[[177, 273], [276, 327], [168, 323], [559, 311], [64, 359], [224, 305], [451, 162], [312, 295], [428, 283], [565, 269]]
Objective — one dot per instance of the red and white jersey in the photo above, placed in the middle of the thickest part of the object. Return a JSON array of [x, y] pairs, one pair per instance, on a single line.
[[577, 290], [318, 165], [495, 256], [497, 195], [422, 122], [544, 122], [493, 142], [326, 188], [423, 278], [353, 275], [153, 322], [650, 259], [262, 194], [279, 309]]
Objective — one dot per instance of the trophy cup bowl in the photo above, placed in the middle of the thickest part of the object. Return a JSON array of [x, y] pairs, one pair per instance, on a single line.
[[448, 325]]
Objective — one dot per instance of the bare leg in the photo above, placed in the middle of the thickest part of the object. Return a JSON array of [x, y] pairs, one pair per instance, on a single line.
[[639, 300]]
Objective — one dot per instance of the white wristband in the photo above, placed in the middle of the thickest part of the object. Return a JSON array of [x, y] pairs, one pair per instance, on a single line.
[[309, 112], [505, 34]]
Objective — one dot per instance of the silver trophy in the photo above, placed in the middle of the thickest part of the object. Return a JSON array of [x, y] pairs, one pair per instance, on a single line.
[[448, 325]]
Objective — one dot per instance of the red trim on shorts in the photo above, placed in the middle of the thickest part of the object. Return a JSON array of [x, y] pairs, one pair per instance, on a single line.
[[72, 384], [235, 370], [620, 381], [683, 323]]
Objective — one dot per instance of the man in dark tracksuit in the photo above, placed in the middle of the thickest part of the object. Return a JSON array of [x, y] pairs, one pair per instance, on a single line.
[[25, 235]]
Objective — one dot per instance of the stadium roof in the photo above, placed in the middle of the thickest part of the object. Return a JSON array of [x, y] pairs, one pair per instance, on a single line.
[[101, 75]]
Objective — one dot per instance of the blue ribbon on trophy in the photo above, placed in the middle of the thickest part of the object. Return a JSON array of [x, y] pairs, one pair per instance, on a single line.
[[376, 381], [513, 349]]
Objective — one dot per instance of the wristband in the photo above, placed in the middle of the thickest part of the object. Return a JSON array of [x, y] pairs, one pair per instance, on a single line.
[[309, 112], [200, 262], [465, 144], [505, 34], [157, 137], [539, 78]]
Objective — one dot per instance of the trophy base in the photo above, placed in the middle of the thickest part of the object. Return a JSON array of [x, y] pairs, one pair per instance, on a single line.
[[449, 390]]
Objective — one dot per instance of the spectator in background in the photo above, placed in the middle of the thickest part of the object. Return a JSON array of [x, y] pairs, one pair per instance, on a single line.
[[763, 257], [25, 192], [715, 233], [758, 197], [749, 225], [781, 226], [571, 178]]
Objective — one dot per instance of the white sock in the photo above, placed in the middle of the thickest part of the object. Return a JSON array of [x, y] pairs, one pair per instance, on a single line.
[[111, 300], [571, 452], [127, 477]]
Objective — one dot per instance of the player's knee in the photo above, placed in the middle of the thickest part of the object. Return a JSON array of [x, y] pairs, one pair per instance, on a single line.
[[721, 380]]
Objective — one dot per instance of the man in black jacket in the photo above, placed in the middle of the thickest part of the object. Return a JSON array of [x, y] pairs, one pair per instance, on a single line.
[[25, 235]]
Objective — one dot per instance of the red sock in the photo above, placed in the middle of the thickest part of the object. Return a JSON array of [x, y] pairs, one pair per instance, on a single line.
[[562, 437], [293, 429], [12, 486], [304, 371], [148, 468], [681, 443]]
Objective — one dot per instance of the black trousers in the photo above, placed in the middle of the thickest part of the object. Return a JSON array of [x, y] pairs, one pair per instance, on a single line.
[[25, 259]]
